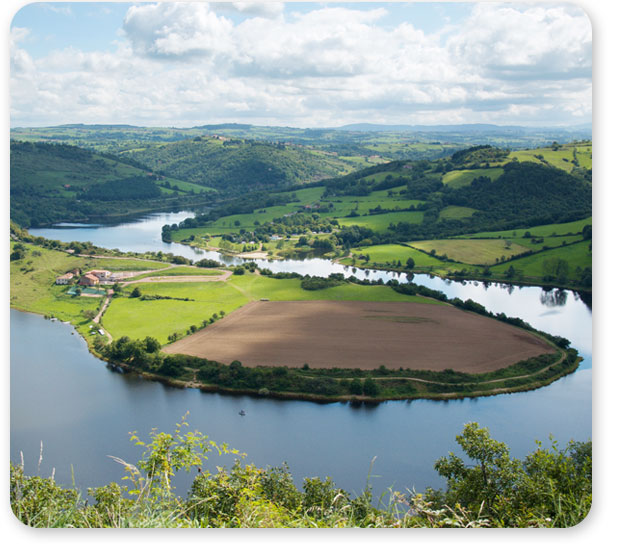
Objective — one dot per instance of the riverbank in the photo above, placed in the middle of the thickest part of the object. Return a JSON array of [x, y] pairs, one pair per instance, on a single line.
[[458, 272], [557, 369], [33, 290]]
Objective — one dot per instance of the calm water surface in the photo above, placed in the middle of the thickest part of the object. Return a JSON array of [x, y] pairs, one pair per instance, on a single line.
[[82, 412]]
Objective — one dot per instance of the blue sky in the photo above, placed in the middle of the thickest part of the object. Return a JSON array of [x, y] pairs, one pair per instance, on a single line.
[[300, 64], [85, 26], [94, 26]]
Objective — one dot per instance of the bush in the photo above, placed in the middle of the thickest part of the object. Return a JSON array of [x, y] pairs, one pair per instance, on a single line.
[[370, 387], [356, 387], [551, 487]]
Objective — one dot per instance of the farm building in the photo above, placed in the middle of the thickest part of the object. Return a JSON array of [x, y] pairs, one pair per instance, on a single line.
[[101, 274], [89, 280], [64, 279]]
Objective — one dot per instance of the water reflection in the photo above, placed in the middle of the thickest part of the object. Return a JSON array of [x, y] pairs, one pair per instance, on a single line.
[[530, 303], [554, 297]]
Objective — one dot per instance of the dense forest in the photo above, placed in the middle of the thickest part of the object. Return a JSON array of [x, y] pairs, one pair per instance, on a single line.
[[526, 194], [235, 167], [60, 183]]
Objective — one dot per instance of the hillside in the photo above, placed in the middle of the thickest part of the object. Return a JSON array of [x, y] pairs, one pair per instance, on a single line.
[[358, 144], [53, 183], [479, 213], [235, 166]]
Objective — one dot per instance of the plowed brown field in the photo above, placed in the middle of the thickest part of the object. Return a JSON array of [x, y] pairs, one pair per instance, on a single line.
[[353, 334]]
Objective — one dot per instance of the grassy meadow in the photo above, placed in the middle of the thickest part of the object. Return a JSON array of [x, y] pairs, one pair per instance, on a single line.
[[474, 252], [33, 287], [160, 318], [457, 179], [561, 158], [547, 230], [577, 255], [379, 223], [390, 254]]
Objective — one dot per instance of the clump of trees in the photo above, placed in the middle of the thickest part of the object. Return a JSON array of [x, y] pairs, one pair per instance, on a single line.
[[312, 283]]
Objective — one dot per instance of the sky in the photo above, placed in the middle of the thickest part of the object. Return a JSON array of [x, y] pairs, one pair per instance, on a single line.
[[300, 64]]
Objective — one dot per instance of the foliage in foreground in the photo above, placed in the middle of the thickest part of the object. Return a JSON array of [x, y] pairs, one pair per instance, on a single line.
[[551, 487]]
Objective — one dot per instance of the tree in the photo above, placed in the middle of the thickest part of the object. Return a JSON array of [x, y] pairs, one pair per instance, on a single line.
[[136, 292], [479, 484], [370, 387], [410, 263], [556, 269], [152, 345], [356, 388], [550, 485], [19, 252], [88, 313]]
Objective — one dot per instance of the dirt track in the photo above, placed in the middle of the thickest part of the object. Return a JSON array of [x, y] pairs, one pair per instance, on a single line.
[[352, 334], [189, 278]]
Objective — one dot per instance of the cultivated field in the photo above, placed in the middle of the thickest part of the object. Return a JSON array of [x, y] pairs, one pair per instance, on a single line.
[[477, 252], [326, 334]]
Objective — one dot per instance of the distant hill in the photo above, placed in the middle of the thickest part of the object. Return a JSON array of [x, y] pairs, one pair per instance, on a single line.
[[355, 143], [462, 128], [369, 127], [234, 166], [53, 183]]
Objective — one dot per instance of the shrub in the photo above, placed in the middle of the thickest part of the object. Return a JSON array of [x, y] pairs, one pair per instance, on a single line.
[[370, 387]]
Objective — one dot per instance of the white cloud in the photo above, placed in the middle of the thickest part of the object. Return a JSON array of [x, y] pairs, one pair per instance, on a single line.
[[185, 64], [259, 9], [539, 42], [177, 30]]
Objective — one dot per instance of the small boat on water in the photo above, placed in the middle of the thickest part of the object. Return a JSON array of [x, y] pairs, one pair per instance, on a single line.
[[242, 413]]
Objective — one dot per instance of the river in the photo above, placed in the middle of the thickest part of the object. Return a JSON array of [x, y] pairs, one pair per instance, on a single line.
[[82, 412]]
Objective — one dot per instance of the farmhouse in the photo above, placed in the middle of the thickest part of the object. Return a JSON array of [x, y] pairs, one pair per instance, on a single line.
[[64, 279], [101, 274], [89, 280]]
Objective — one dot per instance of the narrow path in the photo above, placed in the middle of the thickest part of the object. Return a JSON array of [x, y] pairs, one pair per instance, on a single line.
[[182, 278], [102, 309], [559, 361]]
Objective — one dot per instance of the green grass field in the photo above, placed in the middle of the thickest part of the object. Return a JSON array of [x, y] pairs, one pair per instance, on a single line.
[[159, 319], [379, 223], [455, 212], [33, 287], [121, 265], [457, 179], [383, 255], [178, 271], [474, 252], [340, 207], [547, 242], [577, 255], [574, 227], [561, 159]]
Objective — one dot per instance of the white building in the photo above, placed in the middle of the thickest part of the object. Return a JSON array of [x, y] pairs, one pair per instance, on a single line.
[[64, 279]]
